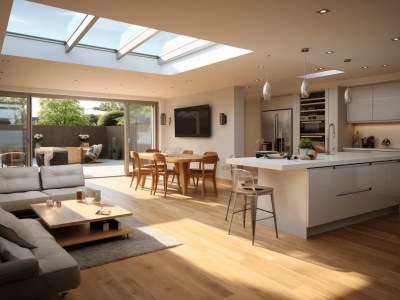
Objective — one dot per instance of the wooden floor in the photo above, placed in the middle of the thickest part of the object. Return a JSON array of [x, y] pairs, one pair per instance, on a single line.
[[357, 262]]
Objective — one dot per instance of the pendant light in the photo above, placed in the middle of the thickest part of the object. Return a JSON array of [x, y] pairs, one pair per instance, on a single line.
[[304, 85], [267, 86], [347, 93]]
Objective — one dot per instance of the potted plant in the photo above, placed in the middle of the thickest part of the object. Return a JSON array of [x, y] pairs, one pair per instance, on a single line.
[[304, 145]]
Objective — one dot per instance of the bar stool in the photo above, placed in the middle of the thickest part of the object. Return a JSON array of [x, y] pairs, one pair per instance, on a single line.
[[244, 184]]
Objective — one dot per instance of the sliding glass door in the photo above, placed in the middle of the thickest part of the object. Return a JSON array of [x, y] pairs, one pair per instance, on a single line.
[[140, 129], [14, 132]]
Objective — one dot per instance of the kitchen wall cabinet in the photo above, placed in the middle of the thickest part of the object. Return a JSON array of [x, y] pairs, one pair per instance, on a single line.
[[375, 103], [386, 101], [360, 109]]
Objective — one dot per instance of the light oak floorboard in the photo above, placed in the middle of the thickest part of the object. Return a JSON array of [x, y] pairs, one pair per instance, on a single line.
[[357, 262]]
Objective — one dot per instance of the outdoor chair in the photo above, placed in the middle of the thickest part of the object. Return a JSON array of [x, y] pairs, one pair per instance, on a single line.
[[13, 159], [93, 153]]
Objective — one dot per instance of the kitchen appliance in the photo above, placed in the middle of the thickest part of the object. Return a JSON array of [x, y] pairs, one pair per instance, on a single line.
[[312, 119], [277, 128]]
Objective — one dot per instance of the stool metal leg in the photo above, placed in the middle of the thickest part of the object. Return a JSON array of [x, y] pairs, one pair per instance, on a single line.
[[229, 204], [274, 214], [254, 202], [244, 210]]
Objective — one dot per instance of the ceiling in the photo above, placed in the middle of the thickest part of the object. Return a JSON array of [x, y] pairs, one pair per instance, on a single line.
[[358, 29]]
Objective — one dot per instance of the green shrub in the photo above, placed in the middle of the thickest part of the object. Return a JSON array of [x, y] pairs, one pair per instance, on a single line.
[[110, 118]]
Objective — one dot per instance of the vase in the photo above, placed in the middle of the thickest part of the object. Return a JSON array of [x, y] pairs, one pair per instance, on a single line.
[[303, 152], [84, 144], [38, 145]]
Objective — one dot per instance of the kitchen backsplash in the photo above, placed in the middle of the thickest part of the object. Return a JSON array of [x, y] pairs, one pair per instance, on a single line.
[[380, 131]]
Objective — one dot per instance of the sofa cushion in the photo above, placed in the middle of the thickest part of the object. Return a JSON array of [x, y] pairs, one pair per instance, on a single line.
[[12, 229], [55, 177], [21, 201], [16, 250], [55, 263], [64, 193], [19, 180]]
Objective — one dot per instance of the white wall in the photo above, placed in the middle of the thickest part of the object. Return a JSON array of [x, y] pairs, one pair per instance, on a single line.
[[225, 139]]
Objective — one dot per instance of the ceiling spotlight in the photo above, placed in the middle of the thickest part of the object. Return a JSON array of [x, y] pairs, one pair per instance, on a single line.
[[385, 65], [323, 11], [329, 52], [396, 39], [319, 69], [365, 67], [347, 93], [267, 92], [304, 85]]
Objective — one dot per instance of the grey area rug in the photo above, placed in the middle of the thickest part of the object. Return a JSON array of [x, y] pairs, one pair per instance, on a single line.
[[144, 239]]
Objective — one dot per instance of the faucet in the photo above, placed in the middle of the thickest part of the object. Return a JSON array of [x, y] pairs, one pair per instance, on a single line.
[[328, 146]]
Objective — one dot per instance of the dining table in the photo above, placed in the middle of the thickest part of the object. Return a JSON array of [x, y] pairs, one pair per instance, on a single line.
[[182, 162]]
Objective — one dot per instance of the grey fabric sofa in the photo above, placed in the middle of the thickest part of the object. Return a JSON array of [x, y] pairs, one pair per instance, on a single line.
[[20, 187], [33, 271]]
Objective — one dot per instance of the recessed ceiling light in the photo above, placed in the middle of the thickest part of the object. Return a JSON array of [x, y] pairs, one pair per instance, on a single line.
[[258, 79], [385, 65], [189, 81], [329, 52], [323, 11], [396, 39], [260, 67], [365, 67], [319, 69]]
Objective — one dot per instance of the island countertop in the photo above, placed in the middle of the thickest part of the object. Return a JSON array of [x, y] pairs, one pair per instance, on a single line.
[[322, 160]]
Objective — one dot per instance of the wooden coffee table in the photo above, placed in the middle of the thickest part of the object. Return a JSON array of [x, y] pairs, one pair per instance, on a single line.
[[77, 222]]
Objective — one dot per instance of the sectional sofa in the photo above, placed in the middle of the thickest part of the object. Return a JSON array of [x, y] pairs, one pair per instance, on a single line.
[[32, 264]]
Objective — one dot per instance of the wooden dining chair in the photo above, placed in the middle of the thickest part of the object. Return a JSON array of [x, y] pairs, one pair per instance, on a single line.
[[196, 167], [208, 169], [175, 167], [153, 150], [142, 171], [161, 169], [135, 169]]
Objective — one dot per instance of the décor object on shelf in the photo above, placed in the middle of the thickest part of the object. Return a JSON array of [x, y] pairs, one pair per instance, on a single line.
[[267, 91], [38, 137], [304, 85], [347, 93], [385, 143], [312, 154]]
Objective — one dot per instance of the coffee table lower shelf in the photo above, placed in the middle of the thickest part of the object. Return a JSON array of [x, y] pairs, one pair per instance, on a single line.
[[83, 233]]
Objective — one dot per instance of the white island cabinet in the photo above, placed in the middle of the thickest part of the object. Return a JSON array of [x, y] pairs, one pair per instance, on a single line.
[[330, 192]]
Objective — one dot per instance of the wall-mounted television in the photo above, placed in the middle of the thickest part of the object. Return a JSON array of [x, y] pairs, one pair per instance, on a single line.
[[193, 121]]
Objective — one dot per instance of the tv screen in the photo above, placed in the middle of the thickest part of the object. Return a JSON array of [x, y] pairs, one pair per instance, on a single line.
[[194, 121]]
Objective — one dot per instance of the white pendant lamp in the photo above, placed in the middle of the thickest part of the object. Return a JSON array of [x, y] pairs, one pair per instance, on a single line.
[[347, 93], [267, 92], [304, 85]]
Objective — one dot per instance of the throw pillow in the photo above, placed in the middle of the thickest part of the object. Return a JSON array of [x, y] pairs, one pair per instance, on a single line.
[[13, 230], [5, 254]]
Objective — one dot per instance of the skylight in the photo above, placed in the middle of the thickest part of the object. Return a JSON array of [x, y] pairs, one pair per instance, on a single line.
[[321, 74], [72, 36]]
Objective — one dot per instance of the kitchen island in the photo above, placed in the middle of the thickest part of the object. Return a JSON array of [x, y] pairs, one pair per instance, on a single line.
[[332, 191]]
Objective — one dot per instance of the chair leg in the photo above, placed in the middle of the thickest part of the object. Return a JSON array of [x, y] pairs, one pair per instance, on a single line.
[[229, 203], [133, 176], [233, 212], [215, 185], [274, 214], [139, 178], [253, 216], [244, 210], [165, 184], [155, 180]]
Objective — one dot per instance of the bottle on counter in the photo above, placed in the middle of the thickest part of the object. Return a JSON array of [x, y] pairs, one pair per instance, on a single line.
[[357, 140]]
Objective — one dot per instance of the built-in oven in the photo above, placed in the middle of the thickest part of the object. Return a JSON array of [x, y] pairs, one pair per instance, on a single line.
[[313, 127]]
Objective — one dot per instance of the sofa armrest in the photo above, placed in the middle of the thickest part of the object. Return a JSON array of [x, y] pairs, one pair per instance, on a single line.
[[18, 270]]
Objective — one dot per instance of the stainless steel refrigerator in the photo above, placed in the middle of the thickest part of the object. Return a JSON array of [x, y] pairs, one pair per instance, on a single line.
[[277, 129]]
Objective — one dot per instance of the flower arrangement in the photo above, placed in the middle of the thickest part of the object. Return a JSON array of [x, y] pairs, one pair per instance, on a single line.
[[38, 137], [83, 137]]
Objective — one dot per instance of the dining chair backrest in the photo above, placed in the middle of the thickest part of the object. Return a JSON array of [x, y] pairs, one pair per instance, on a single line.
[[210, 153], [160, 162], [242, 178], [133, 158], [153, 150], [209, 163], [187, 152]]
